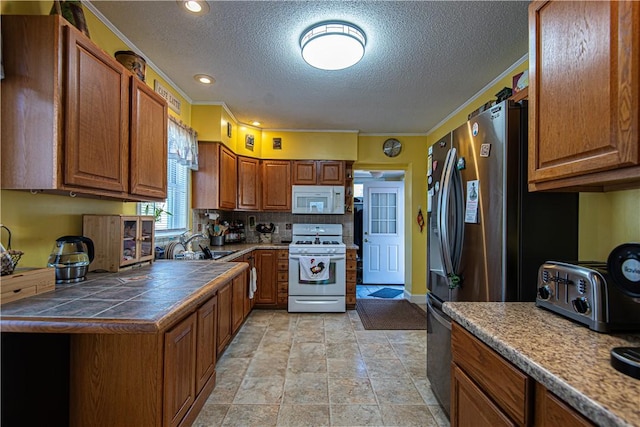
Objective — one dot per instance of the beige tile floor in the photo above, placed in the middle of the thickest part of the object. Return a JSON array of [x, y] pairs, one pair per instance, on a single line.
[[324, 369]]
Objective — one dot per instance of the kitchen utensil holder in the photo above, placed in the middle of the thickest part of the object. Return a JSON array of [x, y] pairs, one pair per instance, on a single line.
[[217, 240]]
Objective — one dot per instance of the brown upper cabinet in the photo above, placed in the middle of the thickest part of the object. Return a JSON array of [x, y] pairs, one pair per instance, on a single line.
[[318, 172], [74, 120], [215, 183], [584, 95], [248, 183], [276, 185]]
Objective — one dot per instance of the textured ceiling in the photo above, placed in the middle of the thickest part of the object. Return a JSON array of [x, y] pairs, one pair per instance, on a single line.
[[423, 59]]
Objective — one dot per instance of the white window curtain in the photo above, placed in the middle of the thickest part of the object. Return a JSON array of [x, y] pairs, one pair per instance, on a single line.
[[183, 144], [172, 215]]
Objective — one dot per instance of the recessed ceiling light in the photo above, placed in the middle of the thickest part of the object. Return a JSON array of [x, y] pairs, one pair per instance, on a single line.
[[332, 45], [197, 7], [204, 79], [256, 123]]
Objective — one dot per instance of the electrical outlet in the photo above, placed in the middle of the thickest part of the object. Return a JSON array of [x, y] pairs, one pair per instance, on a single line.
[[277, 229], [287, 226], [199, 227]]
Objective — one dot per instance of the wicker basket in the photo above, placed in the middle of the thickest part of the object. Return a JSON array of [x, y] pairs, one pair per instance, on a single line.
[[9, 257]]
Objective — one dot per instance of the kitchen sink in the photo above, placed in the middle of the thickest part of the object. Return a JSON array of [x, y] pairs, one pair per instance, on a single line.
[[199, 255], [221, 254]]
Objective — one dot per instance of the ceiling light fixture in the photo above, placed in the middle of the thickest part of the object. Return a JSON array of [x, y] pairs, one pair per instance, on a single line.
[[197, 7], [332, 45], [204, 79], [256, 123]]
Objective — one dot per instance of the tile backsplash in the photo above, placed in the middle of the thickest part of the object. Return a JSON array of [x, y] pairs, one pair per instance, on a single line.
[[281, 220]]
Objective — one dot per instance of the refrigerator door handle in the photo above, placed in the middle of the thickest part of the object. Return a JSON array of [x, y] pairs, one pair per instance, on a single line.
[[443, 214]]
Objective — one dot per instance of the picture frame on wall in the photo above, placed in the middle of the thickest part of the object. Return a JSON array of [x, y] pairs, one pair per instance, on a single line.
[[229, 127], [277, 143], [249, 142]]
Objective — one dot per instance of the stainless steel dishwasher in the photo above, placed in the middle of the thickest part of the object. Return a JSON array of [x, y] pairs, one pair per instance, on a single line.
[[439, 352]]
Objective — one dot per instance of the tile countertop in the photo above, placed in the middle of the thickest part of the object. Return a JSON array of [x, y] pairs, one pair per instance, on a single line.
[[140, 300], [567, 358]]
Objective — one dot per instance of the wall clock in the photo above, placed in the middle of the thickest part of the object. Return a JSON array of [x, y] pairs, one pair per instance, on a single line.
[[391, 147]]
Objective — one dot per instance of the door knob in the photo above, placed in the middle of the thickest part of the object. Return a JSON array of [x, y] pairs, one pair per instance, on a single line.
[[366, 240]]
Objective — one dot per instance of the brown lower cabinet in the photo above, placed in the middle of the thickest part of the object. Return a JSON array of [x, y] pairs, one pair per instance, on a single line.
[[352, 255], [224, 316], [152, 379], [266, 262], [487, 390]]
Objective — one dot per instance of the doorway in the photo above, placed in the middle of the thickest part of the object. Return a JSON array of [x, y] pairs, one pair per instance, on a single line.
[[379, 231]]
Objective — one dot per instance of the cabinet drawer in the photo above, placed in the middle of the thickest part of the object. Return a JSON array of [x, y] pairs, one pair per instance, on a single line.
[[351, 276], [508, 386], [351, 254], [283, 254], [16, 294], [283, 276], [283, 286], [351, 264], [283, 265], [351, 287], [351, 299]]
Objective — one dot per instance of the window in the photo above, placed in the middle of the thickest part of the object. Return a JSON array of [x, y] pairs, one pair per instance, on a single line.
[[172, 214]]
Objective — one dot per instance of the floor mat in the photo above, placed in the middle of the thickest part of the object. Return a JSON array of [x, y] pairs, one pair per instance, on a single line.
[[386, 293], [390, 314]]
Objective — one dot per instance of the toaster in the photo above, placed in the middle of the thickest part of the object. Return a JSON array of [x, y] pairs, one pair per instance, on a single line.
[[585, 292]]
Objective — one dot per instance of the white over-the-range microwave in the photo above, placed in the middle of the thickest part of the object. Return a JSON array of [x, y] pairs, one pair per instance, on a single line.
[[317, 199]]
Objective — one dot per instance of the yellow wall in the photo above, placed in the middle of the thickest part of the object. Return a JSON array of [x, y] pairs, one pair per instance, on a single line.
[[413, 160], [606, 221], [310, 145], [206, 120]]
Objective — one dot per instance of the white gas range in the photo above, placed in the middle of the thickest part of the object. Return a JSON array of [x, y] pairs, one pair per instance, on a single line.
[[317, 268]]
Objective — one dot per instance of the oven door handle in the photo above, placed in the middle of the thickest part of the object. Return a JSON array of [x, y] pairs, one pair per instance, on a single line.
[[331, 257]]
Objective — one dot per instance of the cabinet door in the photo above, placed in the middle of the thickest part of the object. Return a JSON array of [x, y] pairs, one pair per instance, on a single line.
[[304, 172], [96, 152], [266, 264], [584, 93], [207, 346], [148, 142], [248, 183], [471, 407], [228, 178], [551, 411], [331, 172], [248, 302], [276, 188], [239, 286], [205, 185], [179, 370], [146, 238], [224, 316], [129, 245]]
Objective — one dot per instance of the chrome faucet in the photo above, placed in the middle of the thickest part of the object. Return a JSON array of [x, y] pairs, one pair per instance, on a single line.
[[192, 237]]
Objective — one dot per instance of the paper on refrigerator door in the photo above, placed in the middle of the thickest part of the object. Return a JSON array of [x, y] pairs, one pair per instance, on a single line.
[[473, 196]]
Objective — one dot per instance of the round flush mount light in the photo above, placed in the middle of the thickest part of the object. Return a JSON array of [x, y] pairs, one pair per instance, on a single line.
[[197, 7], [204, 79], [332, 45]]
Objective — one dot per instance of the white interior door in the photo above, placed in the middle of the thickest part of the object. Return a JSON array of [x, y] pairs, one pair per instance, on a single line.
[[383, 233]]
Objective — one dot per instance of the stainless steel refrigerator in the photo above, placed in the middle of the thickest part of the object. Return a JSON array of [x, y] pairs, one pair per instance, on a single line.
[[487, 234]]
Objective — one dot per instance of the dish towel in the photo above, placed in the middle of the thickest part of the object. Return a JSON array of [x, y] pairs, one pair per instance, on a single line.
[[253, 279], [314, 268]]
